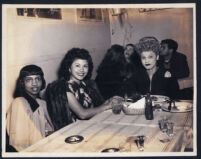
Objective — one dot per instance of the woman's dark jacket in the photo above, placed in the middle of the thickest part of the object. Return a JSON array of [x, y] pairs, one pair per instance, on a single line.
[[160, 85]]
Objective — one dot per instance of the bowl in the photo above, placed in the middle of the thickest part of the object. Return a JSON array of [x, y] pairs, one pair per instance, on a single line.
[[137, 108], [133, 111]]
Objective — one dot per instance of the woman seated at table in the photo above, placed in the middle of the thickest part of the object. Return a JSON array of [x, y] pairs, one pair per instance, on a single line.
[[27, 118], [109, 77], [71, 98], [151, 78]]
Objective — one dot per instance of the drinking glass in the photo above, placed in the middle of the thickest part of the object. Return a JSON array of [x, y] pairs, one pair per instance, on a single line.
[[163, 125], [116, 109], [170, 128]]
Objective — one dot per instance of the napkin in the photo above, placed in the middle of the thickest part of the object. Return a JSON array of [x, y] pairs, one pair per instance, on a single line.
[[138, 105]]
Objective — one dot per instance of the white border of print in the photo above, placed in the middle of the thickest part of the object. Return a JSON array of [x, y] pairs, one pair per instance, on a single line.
[[36, 154]]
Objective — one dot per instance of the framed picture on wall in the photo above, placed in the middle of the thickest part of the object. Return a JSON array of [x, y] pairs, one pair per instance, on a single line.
[[53, 13], [89, 15]]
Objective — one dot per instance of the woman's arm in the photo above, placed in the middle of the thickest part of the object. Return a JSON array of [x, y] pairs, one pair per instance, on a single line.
[[48, 117], [18, 125], [86, 113]]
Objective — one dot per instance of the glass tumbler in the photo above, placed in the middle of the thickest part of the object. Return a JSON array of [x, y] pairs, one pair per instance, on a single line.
[[170, 129], [116, 109]]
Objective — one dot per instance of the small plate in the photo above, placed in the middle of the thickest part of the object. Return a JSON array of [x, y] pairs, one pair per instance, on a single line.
[[159, 98], [181, 106], [111, 150], [74, 139]]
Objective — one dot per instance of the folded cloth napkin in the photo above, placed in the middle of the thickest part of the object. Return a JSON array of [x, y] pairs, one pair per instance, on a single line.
[[138, 105]]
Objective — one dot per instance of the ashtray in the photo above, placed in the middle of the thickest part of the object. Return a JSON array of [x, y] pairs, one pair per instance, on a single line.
[[74, 139], [110, 150]]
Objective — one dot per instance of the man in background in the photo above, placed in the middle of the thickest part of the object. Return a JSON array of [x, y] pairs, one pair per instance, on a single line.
[[172, 60], [175, 63]]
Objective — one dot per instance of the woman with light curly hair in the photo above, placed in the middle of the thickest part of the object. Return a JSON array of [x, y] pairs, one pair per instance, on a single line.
[[151, 78]]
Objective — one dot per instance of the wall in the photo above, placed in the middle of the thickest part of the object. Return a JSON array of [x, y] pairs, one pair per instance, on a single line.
[[170, 23], [44, 42]]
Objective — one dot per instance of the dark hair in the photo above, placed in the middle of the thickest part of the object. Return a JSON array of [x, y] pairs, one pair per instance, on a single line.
[[148, 44], [114, 55], [172, 44], [71, 55], [27, 71], [130, 45], [135, 59]]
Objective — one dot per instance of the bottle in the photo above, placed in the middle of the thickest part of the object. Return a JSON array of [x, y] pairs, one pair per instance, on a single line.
[[148, 108]]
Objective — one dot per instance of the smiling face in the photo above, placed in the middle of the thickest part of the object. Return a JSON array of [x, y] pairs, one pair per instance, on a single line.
[[149, 59], [33, 85], [79, 70]]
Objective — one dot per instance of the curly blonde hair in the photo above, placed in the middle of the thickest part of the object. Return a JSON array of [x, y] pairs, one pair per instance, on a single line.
[[148, 44]]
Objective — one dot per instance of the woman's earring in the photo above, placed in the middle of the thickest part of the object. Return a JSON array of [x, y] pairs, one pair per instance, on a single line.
[[157, 58]]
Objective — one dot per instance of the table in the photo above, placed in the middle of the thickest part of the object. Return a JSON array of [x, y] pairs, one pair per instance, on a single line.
[[107, 130]]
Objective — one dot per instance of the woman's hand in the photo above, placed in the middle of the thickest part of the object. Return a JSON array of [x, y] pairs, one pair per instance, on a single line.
[[116, 100]]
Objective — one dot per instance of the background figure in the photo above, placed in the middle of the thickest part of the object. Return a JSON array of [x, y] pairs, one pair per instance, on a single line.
[[172, 60], [27, 118], [72, 97], [132, 63], [152, 79], [109, 77], [176, 63], [131, 55]]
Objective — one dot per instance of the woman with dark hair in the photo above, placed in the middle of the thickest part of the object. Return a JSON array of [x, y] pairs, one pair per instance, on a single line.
[[151, 78], [109, 77], [71, 98], [132, 64], [75, 53], [131, 55], [27, 118]]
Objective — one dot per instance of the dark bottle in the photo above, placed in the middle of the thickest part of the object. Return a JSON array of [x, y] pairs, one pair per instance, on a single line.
[[148, 108]]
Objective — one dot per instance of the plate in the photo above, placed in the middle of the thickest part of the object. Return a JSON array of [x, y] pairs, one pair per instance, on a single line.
[[180, 106], [158, 100], [111, 150], [74, 139]]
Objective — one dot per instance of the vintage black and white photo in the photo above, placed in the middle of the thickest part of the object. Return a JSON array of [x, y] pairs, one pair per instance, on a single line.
[[99, 80]]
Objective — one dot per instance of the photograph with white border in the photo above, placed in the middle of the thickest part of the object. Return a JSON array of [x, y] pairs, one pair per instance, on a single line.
[[41, 35]]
